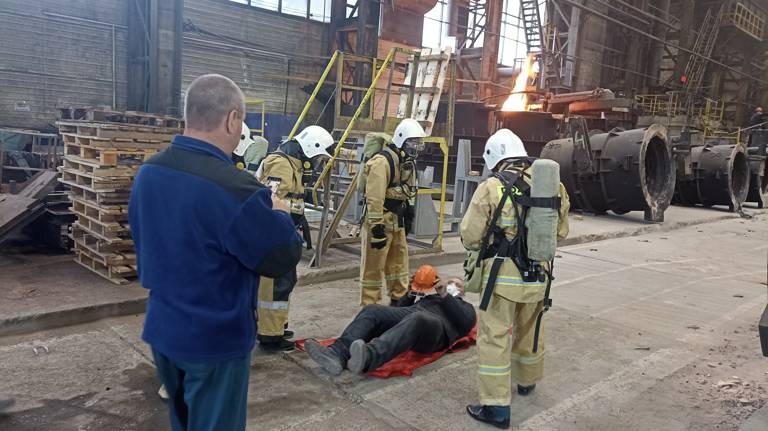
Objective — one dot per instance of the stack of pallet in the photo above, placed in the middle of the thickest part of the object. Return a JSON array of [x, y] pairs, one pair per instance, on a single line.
[[102, 153]]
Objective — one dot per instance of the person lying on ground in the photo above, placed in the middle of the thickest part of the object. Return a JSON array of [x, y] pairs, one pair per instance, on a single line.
[[430, 318]]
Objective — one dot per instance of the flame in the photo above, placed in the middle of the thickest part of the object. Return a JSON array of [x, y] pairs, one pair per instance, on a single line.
[[518, 100]]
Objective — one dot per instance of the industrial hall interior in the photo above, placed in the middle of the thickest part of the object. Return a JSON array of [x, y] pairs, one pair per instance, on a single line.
[[540, 215]]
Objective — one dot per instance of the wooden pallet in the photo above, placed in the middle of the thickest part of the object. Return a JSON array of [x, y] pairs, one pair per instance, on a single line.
[[94, 169], [431, 72], [97, 212], [100, 114], [101, 245], [106, 258], [114, 143], [107, 231], [115, 273], [96, 184], [114, 131], [108, 156], [100, 198]]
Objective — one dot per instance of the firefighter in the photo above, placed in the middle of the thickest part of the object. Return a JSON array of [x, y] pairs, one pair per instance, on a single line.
[[250, 151], [286, 171], [390, 191], [507, 349]]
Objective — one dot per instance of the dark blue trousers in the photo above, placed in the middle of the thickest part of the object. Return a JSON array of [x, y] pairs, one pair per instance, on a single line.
[[205, 396]]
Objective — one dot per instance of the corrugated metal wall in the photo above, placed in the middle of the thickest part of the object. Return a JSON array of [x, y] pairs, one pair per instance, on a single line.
[[49, 61], [260, 68]]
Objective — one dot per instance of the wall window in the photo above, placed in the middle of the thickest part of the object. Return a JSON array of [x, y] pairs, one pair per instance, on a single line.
[[320, 10], [435, 26], [317, 10]]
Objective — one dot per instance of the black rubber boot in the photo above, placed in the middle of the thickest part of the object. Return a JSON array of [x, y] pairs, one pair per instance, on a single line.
[[287, 334], [525, 390], [326, 357], [275, 344], [359, 357], [497, 416]]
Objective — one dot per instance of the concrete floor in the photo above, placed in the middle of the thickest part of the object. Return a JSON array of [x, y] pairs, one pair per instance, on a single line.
[[650, 332]]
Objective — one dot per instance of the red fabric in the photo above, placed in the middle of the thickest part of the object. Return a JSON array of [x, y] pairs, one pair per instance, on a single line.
[[405, 363]]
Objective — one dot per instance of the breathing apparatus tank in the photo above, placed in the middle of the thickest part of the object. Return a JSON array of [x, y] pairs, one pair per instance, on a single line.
[[541, 222]]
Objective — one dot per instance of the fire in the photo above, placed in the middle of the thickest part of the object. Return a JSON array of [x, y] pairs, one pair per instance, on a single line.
[[518, 100]]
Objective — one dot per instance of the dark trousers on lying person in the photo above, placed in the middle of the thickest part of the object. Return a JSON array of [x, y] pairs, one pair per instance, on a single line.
[[391, 331]]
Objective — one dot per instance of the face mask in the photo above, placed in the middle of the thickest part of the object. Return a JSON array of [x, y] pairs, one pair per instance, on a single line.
[[412, 148]]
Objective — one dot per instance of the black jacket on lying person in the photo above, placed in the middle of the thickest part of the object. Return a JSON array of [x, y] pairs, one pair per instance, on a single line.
[[458, 315], [430, 325]]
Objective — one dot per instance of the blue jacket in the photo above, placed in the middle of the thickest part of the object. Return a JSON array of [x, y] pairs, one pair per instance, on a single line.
[[204, 233]]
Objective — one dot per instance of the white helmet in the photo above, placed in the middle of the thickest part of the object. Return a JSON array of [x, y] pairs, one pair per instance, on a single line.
[[314, 141], [245, 141], [502, 145], [408, 128]]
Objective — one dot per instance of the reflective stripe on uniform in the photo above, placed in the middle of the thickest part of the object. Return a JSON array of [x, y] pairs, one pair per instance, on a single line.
[[528, 359], [495, 370], [514, 281], [508, 221], [273, 305], [395, 276], [370, 282]]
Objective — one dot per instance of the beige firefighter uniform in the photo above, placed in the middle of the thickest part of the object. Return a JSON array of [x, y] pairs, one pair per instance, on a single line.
[[284, 174], [391, 261], [506, 328]]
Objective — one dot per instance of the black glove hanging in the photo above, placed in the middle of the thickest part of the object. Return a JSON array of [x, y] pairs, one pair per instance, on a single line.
[[378, 237]]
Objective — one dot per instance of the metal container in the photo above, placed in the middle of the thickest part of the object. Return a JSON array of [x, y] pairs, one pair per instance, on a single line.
[[757, 153], [534, 128], [620, 171], [720, 177]]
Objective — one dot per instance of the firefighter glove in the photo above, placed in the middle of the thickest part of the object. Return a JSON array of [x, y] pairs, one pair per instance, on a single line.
[[378, 237]]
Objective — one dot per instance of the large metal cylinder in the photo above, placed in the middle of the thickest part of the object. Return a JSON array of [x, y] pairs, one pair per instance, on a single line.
[[758, 182], [720, 177], [632, 170], [757, 154]]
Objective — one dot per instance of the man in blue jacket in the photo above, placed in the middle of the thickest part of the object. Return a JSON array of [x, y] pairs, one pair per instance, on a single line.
[[204, 233]]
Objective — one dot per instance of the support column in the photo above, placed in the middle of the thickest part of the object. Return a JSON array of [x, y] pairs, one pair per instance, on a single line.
[[490, 63], [154, 55]]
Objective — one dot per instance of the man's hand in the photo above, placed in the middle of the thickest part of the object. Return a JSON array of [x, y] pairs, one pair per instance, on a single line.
[[280, 204], [459, 284]]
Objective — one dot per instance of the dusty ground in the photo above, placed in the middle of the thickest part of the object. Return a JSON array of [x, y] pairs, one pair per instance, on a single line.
[[654, 332]]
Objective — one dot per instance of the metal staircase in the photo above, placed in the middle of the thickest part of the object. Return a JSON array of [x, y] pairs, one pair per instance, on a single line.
[[703, 47], [529, 15], [419, 87]]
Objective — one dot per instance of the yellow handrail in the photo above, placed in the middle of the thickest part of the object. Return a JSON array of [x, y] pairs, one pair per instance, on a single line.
[[330, 163], [313, 95]]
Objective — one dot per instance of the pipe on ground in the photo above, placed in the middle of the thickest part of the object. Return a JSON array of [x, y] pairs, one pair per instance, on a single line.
[[720, 177], [758, 182], [631, 170], [757, 153]]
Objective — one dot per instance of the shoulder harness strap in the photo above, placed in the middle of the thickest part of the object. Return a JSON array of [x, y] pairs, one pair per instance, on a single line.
[[387, 155]]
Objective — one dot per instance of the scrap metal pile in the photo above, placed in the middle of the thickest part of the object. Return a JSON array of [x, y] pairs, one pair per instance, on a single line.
[[102, 153]]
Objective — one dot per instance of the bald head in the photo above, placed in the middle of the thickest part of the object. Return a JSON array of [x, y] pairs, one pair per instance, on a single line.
[[214, 109], [208, 101]]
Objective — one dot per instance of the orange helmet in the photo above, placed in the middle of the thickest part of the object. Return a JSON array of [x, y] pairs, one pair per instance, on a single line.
[[424, 280]]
